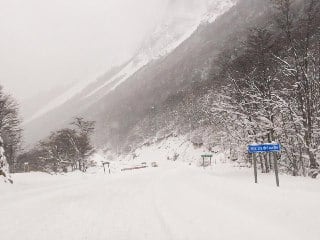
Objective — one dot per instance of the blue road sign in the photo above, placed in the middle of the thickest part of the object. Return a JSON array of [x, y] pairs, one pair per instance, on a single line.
[[267, 147]]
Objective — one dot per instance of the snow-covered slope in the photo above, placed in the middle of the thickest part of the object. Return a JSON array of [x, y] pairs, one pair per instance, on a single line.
[[173, 30], [58, 101], [180, 21]]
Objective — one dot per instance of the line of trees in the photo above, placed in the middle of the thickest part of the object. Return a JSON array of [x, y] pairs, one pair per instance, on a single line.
[[64, 150]]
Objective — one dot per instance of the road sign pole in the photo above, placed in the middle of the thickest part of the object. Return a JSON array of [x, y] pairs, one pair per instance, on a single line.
[[203, 162], [276, 170], [255, 168]]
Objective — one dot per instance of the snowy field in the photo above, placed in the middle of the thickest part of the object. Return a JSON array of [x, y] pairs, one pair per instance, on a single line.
[[174, 201]]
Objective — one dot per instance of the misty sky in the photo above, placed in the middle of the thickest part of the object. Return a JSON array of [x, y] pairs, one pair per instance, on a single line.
[[45, 43]]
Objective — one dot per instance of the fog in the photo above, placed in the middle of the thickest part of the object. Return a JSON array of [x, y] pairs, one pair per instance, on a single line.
[[47, 43]]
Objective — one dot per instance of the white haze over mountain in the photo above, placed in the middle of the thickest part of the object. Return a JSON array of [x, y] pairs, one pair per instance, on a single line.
[[179, 20], [50, 43], [47, 43]]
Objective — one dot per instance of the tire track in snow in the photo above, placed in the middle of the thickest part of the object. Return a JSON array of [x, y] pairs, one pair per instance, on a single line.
[[155, 202]]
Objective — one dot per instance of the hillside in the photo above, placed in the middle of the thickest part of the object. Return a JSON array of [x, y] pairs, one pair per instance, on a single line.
[[145, 94], [124, 96]]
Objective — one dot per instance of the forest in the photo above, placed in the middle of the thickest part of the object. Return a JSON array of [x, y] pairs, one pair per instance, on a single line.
[[264, 87], [273, 90]]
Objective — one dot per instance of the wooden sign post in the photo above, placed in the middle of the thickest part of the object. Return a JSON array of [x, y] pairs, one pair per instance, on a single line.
[[104, 168], [206, 156]]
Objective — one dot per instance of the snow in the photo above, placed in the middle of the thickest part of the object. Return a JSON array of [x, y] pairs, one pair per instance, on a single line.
[[161, 43], [175, 200], [215, 8], [132, 67], [173, 31]]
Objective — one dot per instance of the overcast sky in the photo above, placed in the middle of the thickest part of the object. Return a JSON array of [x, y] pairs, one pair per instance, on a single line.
[[45, 43]]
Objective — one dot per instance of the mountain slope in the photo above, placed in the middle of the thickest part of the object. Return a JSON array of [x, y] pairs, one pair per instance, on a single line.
[[82, 98], [146, 91]]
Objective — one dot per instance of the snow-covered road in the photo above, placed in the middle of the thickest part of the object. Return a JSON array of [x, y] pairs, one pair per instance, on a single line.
[[172, 202]]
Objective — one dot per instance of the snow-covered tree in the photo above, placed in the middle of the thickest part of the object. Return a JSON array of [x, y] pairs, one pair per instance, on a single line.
[[10, 127], [67, 147], [272, 90], [4, 166]]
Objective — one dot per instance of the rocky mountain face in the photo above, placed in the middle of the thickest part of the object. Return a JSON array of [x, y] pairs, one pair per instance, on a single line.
[[180, 52]]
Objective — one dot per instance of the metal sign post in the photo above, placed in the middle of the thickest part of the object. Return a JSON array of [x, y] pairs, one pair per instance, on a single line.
[[255, 168], [276, 171], [253, 149]]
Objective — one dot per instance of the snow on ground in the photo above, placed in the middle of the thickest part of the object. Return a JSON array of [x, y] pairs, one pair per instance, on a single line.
[[173, 201], [173, 148]]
